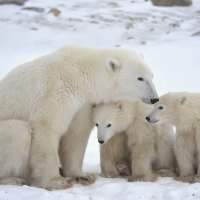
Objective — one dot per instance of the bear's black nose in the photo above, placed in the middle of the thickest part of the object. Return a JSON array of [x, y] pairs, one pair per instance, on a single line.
[[154, 101], [101, 141], [148, 119]]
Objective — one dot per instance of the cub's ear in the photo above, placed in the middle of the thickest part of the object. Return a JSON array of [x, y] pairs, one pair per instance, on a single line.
[[182, 100], [112, 64]]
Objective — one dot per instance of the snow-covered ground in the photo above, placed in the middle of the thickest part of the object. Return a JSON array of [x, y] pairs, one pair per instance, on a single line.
[[169, 39]]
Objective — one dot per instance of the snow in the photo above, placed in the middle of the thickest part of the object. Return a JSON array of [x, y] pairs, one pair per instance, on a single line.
[[165, 36]]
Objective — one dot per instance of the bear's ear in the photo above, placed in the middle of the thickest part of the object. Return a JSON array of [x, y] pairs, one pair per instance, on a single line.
[[113, 64], [182, 100]]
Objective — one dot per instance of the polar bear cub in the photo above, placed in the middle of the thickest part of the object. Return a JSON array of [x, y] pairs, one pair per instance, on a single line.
[[126, 137], [182, 109]]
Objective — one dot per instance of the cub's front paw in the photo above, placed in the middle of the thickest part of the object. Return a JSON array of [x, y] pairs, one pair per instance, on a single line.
[[123, 170], [197, 178], [143, 178], [166, 173]]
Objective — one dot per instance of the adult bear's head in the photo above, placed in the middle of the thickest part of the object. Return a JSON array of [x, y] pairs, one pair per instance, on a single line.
[[131, 77]]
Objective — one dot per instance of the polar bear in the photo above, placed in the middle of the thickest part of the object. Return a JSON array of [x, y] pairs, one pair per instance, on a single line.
[[49, 91], [182, 110], [147, 147]]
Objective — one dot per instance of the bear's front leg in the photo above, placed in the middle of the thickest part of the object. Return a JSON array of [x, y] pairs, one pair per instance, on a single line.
[[73, 145], [44, 160]]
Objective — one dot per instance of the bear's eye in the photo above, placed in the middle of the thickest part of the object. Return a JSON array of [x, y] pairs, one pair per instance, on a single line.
[[109, 125], [97, 124], [160, 107], [140, 79]]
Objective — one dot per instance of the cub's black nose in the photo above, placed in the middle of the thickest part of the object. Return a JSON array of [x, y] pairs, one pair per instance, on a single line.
[[154, 101], [148, 119], [101, 141]]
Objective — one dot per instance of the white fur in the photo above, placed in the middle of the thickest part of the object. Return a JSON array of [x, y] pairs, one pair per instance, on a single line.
[[148, 146], [182, 110], [113, 153], [73, 144], [49, 91], [15, 139]]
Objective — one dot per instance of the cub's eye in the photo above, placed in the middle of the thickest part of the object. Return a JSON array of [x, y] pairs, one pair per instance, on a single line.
[[109, 125], [97, 124], [140, 79], [160, 107]]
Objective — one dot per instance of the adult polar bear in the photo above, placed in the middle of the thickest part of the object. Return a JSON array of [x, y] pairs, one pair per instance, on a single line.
[[49, 91]]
